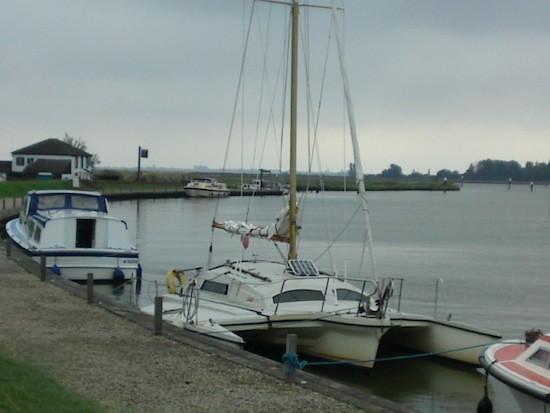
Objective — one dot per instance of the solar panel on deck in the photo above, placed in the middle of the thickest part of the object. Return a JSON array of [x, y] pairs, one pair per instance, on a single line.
[[303, 267]]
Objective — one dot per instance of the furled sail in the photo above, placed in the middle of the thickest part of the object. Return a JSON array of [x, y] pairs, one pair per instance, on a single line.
[[276, 231]]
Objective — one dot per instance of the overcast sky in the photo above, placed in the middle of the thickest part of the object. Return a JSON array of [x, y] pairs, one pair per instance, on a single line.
[[435, 84]]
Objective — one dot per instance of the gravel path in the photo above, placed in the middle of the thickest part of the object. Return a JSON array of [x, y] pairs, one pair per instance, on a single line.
[[126, 368]]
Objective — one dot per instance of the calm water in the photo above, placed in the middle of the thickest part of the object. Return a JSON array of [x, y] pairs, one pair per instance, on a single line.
[[486, 244]]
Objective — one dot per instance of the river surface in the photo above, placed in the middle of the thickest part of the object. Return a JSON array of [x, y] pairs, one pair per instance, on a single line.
[[486, 248]]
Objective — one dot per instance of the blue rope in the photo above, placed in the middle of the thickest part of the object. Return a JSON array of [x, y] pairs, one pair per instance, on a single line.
[[292, 358], [290, 361]]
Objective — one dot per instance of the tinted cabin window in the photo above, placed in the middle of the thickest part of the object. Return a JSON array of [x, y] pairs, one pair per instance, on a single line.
[[349, 295], [542, 358], [215, 287], [84, 202], [298, 295], [85, 230]]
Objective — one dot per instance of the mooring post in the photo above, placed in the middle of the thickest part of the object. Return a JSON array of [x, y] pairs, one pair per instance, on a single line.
[[291, 346], [42, 268], [90, 287], [158, 315]]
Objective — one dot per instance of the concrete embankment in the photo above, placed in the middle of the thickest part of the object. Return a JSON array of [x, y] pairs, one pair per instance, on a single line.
[[108, 352]]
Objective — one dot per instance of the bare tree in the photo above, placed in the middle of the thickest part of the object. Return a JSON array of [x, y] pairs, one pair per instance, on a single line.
[[79, 143]]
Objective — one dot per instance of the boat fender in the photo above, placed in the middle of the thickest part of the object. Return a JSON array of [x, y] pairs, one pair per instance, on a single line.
[[485, 405], [55, 269], [171, 278], [118, 274]]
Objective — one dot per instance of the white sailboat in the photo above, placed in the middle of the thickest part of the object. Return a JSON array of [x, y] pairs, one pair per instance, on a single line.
[[334, 317]]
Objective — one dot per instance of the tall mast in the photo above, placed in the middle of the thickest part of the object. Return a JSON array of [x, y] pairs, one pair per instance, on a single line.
[[292, 254]]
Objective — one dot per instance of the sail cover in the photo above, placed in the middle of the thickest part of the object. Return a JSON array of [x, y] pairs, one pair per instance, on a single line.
[[276, 231]]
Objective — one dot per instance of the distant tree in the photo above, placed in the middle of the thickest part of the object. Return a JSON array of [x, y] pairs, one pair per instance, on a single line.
[[394, 171], [351, 170], [80, 144], [445, 173]]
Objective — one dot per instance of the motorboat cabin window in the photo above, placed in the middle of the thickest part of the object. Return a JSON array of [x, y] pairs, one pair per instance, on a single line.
[[541, 358], [84, 202], [349, 295], [303, 267], [37, 233], [298, 295], [85, 233], [215, 287], [51, 202]]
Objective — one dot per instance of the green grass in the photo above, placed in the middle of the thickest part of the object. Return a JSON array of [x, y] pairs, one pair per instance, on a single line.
[[19, 188], [26, 389]]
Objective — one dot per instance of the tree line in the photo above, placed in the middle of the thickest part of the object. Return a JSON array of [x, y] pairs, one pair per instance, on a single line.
[[486, 170]]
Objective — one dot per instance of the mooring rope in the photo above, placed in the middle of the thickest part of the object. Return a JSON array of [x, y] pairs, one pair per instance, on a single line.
[[291, 359]]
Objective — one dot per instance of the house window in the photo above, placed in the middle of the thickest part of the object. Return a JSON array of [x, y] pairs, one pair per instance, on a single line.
[[20, 161], [30, 160]]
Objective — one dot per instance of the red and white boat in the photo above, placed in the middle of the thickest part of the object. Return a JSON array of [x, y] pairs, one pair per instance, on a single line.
[[524, 366]]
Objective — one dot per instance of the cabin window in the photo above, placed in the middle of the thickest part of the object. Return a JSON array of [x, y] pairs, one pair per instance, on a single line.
[[84, 202], [51, 202], [541, 358], [215, 287], [298, 295], [37, 233], [85, 233], [349, 295]]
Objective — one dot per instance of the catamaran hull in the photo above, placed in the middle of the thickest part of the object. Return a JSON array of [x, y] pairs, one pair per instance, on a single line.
[[341, 337], [351, 341], [448, 339]]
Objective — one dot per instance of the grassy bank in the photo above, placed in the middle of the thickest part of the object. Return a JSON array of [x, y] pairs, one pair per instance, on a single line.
[[24, 388], [19, 188]]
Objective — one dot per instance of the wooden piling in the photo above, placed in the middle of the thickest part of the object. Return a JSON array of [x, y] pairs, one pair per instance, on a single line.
[[42, 268], [90, 287], [291, 347], [158, 315]]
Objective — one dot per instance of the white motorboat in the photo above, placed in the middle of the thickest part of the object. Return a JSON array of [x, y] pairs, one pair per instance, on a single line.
[[206, 188], [335, 317], [523, 366], [76, 235]]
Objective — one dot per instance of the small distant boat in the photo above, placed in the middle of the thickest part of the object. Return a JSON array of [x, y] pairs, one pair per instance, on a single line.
[[263, 187], [524, 366], [75, 233], [206, 188]]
